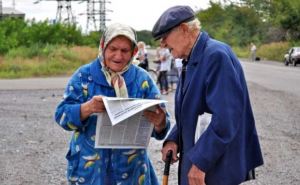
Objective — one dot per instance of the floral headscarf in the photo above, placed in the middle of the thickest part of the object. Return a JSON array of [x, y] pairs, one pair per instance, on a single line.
[[113, 78]]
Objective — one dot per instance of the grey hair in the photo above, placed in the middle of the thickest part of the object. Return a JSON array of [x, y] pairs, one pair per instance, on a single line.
[[194, 24]]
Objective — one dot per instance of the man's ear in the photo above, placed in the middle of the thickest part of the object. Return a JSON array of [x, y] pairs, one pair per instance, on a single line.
[[184, 27]]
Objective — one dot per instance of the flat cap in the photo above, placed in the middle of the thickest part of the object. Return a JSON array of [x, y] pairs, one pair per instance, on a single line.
[[171, 18]]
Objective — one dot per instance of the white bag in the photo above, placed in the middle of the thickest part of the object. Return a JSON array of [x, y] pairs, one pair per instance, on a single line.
[[202, 124]]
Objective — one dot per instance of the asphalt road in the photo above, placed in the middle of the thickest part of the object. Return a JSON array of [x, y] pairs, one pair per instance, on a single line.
[[274, 76], [270, 75], [32, 146]]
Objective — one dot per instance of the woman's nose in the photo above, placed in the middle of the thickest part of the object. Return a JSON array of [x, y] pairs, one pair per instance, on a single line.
[[118, 55]]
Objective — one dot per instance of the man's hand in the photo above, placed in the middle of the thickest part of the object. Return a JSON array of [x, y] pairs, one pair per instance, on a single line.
[[196, 176], [94, 105], [157, 118], [170, 145]]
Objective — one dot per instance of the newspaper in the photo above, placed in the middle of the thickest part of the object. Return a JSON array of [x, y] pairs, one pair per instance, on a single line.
[[123, 124]]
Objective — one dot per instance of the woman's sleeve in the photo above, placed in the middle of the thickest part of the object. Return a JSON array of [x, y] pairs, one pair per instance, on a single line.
[[67, 113]]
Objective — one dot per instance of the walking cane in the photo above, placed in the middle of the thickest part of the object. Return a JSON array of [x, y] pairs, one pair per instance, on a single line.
[[167, 167]]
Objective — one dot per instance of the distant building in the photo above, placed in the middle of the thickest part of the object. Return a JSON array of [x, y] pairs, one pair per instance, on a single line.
[[11, 13]]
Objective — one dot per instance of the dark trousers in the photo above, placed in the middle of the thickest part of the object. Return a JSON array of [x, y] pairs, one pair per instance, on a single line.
[[163, 81]]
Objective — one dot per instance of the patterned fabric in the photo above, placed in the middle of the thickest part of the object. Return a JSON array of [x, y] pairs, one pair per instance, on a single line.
[[116, 80], [90, 166], [115, 30]]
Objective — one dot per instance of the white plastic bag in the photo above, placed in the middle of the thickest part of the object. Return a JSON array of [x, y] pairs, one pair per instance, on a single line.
[[202, 124]]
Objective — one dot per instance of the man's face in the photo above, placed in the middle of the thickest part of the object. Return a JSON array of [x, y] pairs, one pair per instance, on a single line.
[[176, 41], [118, 53]]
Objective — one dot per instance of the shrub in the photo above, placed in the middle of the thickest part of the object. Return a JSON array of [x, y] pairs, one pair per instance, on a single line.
[[50, 60], [241, 52], [273, 51]]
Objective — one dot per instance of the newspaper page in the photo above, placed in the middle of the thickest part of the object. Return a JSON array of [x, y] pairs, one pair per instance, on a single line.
[[123, 124]]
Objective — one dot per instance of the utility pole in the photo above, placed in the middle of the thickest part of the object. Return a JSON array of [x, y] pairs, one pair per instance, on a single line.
[[64, 11], [96, 14], [14, 4], [94, 9], [102, 16], [90, 17], [1, 12]]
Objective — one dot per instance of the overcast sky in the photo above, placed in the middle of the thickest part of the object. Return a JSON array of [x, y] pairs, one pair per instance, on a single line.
[[140, 14]]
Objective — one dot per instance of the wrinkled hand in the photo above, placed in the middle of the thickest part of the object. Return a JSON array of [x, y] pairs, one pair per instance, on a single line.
[[196, 176], [157, 118], [94, 105], [170, 145]]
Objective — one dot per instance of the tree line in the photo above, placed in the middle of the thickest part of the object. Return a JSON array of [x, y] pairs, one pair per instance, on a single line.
[[237, 22], [260, 21]]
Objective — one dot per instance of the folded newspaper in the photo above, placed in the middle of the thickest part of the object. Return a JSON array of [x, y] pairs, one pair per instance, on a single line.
[[123, 124]]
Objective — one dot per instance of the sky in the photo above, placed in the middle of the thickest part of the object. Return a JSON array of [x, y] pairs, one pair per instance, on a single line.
[[139, 14]]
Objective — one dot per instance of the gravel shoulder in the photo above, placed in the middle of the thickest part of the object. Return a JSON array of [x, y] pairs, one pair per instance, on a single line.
[[33, 146]]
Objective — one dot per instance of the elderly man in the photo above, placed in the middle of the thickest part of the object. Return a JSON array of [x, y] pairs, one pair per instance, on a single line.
[[215, 132]]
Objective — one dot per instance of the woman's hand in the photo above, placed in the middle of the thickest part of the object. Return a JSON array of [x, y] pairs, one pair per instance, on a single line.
[[157, 118], [94, 105]]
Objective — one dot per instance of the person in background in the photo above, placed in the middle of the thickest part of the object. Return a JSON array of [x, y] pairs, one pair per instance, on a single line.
[[178, 65], [253, 52], [113, 75], [142, 55], [215, 132], [165, 60], [172, 75]]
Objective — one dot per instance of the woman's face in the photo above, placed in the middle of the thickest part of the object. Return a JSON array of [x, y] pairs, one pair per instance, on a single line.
[[118, 53]]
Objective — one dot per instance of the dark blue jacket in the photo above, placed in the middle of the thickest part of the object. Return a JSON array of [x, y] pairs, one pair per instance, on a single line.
[[215, 83]]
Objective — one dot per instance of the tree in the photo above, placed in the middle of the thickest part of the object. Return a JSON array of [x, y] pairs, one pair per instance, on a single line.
[[236, 25]]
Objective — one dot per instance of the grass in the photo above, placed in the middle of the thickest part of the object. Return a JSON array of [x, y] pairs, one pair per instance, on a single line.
[[241, 52], [53, 60], [272, 51], [50, 60]]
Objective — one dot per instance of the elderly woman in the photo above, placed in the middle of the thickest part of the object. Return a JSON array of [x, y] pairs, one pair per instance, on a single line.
[[111, 74]]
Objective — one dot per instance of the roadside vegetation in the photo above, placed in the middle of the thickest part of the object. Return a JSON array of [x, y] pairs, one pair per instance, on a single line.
[[31, 49], [50, 60]]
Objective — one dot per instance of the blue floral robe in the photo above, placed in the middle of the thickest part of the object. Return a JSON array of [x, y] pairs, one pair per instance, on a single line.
[[87, 165]]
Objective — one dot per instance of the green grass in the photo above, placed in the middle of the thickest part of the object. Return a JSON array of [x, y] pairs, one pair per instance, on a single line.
[[241, 52], [40, 61], [271, 51], [53, 60]]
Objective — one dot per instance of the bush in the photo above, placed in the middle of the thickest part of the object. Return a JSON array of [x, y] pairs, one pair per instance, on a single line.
[[47, 61], [273, 51], [241, 52], [16, 33]]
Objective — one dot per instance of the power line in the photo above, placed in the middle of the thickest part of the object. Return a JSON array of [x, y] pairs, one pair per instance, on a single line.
[[1, 12], [95, 12]]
